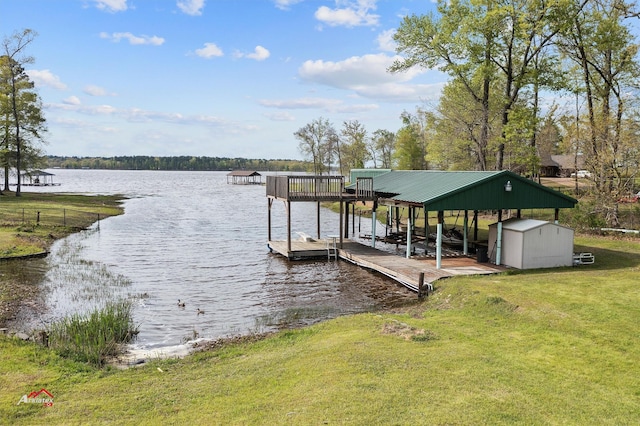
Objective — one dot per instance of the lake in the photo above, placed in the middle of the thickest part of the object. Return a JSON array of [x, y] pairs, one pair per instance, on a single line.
[[194, 237]]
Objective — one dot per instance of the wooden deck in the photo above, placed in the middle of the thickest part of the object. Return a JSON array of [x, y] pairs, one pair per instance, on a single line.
[[405, 271], [304, 249]]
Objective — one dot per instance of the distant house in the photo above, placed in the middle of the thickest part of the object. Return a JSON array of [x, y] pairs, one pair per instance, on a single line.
[[244, 177], [548, 167], [567, 164]]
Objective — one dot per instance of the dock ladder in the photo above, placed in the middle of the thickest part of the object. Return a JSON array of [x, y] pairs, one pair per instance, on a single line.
[[332, 248]]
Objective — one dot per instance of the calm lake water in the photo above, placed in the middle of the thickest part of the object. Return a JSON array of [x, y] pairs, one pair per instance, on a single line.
[[191, 236]]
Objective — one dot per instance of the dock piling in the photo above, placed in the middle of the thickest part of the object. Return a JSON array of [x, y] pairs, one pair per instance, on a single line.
[[421, 290]]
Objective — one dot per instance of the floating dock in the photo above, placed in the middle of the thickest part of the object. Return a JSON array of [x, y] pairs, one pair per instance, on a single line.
[[406, 271]]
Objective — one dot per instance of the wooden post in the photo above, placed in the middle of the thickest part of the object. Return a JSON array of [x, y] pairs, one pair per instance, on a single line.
[[288, 227], [475, 225], [421, 290], [318, 218], [269, 203], [346, 219], [342, 223]]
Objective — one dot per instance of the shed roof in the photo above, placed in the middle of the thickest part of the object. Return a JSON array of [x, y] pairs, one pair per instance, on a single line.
[[524, 225], [467, 190]]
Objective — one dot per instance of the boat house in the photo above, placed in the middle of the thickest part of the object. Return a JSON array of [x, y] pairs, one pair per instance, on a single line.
[[430, 191], [465, 191], [37, 178], [244, 177]]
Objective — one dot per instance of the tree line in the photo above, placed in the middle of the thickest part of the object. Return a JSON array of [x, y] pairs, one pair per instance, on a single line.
[[527, 79], [185, 163]]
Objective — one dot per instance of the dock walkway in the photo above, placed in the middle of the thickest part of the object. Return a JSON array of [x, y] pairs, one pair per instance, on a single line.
[[405, 271]]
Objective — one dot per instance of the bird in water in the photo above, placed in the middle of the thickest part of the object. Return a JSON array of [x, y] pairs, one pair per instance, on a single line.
[[181, 304], [200, 311]]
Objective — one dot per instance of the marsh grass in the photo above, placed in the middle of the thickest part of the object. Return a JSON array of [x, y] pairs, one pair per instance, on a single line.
[[95, 336]]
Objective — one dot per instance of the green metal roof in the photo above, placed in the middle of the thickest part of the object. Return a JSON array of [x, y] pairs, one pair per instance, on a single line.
[[467, 190]]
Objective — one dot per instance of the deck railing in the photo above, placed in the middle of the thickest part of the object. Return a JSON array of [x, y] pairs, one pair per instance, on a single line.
[[305, 187], [364, 188]]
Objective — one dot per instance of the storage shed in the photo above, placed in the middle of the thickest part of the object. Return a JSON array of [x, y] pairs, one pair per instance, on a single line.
[[530, 244]]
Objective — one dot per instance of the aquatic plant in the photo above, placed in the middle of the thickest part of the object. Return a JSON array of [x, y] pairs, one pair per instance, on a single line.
[[96, 336]]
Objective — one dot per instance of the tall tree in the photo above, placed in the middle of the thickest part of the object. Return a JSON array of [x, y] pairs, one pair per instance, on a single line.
[[354, 147], [483, 43], [317, 142], [410, 150], [605, 51], [383, 144], [22, 111], [458, 42]]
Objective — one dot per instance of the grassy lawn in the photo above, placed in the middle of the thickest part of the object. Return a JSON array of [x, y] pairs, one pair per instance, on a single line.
[[554, 346], [31, 222]]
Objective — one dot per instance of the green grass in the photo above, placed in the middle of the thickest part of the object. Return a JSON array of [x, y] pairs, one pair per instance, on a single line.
[[29, 224], [557, 346]]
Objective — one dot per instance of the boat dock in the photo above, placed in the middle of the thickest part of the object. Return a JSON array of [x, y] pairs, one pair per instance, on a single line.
[[407, 271]]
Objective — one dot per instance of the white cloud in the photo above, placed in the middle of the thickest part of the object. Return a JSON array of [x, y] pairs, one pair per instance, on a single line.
[[46, 78], [112, 5], [94, 90], [259, 54], [72, 100], [354, 71], [386, 42], [368, 77], [286, 4], [137, 115], [325, 104], [133, 39], [394, 92], [191, 7], [279, 116], [209, 51], [355, 13], [302, 103]]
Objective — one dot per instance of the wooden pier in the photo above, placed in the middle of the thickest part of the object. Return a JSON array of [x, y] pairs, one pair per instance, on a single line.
[[406, 271]]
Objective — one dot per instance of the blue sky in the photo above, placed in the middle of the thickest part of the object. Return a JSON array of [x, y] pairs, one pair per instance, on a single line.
[[226, 78]]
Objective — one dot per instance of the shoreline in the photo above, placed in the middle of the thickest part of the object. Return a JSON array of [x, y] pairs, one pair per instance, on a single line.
[[18, 296]]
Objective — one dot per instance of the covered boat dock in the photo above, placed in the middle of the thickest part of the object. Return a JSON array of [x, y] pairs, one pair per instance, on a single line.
[[37, 178], [244, 177], [434, 191]]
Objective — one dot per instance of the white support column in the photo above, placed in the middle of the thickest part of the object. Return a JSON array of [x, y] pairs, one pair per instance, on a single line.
[[409, 222], [439, 246], [373, 229], [465, 233], [499, 244]]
